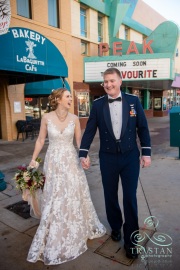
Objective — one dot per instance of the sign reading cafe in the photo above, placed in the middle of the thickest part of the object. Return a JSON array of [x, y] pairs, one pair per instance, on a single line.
[[32, 43], [25, 51]]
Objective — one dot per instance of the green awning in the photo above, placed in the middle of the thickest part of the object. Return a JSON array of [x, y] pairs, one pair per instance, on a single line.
[[44, 88], [28, 56]]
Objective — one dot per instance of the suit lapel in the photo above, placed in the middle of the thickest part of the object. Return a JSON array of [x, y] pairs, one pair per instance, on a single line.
[[107, 117], [125, 114]]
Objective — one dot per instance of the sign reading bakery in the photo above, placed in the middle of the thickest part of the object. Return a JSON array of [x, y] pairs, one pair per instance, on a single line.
[[25, 50], [131, 70]]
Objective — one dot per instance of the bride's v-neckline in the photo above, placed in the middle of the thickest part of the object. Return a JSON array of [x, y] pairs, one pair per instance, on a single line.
[[61, 131]]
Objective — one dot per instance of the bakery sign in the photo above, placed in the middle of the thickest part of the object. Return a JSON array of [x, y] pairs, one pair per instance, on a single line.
[[131, 70], [5, 16], [31, 42]]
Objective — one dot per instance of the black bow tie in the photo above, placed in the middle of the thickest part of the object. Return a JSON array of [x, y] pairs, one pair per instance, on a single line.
[[110, 100]]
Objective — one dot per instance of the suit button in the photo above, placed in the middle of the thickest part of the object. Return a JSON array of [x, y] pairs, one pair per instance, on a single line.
[[106, 132], [107, 140], [107, 148], [129, 138]]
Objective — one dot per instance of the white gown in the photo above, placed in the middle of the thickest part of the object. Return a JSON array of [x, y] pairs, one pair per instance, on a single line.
[[68, 216]]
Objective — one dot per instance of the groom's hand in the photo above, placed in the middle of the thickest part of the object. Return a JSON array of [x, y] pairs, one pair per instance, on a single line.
[[85, 162]]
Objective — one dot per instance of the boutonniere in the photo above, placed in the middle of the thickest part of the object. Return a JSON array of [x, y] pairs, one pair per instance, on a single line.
[[132, 111]]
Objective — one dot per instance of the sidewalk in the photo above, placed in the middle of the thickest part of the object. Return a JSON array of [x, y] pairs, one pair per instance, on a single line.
[[158, 196]]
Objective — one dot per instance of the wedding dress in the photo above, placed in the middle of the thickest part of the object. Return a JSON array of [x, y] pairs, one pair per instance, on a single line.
[[68, 217]]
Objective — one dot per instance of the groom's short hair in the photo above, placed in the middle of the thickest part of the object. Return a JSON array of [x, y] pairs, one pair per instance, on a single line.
[[112, 71]]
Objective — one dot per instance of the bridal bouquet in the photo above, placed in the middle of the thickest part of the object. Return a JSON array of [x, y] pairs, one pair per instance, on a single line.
[[29, 178]]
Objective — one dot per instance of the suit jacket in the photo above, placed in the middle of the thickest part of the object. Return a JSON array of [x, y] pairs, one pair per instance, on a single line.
[[133, 123]]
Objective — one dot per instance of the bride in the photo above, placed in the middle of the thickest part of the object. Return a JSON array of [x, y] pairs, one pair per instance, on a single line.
[[68, 217]]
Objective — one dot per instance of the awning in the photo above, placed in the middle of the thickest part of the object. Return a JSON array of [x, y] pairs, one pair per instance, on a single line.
[[44, 88], [28, 56], [176, 82]]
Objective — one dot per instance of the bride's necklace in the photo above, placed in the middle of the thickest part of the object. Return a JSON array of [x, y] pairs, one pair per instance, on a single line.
[[60, 117]]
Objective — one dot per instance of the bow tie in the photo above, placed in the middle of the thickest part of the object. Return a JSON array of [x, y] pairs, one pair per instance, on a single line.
[[110, 100]]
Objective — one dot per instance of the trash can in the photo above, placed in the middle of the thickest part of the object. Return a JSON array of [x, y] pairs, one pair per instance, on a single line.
[[2, 182], [175, 127]]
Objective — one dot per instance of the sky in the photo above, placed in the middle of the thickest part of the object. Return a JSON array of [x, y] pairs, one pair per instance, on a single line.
[[170, 9]]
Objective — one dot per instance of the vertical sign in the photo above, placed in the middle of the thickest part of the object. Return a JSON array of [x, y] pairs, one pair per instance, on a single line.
[[5, 16]]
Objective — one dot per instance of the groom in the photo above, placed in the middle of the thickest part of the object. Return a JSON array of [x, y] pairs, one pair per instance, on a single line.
[[119, 118]]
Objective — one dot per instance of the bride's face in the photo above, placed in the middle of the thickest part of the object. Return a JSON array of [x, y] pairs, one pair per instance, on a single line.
[[66, 100]]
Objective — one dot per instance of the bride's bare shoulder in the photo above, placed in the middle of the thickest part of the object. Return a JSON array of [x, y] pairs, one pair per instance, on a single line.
[[73, 116], [49, 115]]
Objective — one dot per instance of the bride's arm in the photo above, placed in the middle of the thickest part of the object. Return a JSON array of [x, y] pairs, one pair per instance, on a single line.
[[40, 140], [84, 161], [77, 132]]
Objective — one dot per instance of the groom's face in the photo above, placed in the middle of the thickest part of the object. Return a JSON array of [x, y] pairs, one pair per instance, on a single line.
[[112, 83]]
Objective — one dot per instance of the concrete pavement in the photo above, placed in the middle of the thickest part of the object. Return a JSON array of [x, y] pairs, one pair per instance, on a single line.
[[158, 196]]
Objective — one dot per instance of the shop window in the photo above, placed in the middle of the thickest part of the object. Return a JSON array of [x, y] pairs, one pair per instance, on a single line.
[[139, 94], [164, 104], [24, 8], [53, 13], [100, 28], [83, 104], [83, 21], [84, 48], [158, 104], [36, 107]]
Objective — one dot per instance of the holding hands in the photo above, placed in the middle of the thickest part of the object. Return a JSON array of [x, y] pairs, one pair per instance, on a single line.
[[145, 161], [85, 162]]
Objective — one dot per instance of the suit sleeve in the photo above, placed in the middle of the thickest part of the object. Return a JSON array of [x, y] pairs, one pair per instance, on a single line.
[[89, 133], [143, 131]]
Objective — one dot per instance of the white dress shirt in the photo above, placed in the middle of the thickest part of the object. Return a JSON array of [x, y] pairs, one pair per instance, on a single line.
[[116, 116]]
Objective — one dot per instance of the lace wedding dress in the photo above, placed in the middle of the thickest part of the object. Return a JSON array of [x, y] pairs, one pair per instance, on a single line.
[[68, 216]]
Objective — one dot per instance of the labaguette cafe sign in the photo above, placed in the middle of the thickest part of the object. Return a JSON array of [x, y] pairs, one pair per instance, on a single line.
[[142, 69]]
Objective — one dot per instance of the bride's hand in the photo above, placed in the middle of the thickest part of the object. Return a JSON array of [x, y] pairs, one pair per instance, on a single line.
[[88, 160], [34, 164], [85, 162]]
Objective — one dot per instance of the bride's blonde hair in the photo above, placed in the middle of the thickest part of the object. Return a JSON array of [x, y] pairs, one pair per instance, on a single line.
[[55, 95]]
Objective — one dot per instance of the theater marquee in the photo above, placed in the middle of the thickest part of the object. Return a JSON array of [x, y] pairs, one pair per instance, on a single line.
[[131, 70]]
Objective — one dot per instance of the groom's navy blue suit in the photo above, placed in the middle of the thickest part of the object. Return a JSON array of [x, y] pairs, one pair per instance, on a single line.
[[119, 158]]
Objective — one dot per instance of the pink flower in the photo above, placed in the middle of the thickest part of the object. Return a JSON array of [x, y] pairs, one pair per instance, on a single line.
[[26, 176]]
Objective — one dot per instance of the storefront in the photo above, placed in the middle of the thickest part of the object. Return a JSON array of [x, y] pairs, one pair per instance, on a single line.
[[36, 96], [26, 56], [147, 69], [174, 94]]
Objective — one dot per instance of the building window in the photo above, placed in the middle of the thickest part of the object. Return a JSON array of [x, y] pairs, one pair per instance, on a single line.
[[84, 48], [100, 28], [83, 104], [24, 8], [126, 33], [53, 13], [83, 21]]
